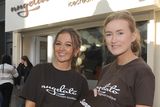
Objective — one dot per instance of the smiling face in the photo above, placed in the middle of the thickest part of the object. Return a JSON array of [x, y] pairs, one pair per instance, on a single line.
[[63, 48], [118, 37]]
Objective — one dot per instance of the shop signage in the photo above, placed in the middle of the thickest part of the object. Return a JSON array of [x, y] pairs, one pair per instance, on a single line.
[[21, 14], [78, 2], [23, 10]]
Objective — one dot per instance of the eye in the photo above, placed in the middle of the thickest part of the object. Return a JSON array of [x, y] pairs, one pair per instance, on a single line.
[[108, 34], [68, 44], [57, 43], [120, 33]]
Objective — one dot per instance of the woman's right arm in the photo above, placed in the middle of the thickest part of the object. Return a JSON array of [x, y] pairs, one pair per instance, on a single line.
[[30, 103]]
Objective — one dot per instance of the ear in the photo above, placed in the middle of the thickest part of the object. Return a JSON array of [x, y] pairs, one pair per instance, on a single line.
[[134, 36]]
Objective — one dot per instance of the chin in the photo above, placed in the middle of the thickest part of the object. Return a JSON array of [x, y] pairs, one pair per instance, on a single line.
[[115, 52]]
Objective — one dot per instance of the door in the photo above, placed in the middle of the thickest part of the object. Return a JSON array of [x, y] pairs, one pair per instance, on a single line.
[[41, 49]]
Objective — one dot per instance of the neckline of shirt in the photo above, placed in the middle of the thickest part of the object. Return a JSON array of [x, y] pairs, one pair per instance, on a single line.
[[56, 69], [128, 63]]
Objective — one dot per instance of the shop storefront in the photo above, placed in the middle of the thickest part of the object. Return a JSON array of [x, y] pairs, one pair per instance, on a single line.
[[34, 24]]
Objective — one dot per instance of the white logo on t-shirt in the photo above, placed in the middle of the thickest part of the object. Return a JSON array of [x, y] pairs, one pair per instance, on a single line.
[[102, 90], [62, 91]]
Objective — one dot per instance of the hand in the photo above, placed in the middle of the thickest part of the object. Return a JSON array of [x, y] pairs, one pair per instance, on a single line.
[[142, 106], [29, 103], [25, 64], [95, 92]]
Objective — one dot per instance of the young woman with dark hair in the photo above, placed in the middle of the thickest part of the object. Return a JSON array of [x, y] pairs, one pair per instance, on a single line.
[[7, 73], [24, 69], [57, 84]]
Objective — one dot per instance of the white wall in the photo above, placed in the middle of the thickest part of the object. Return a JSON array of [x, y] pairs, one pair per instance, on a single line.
[[50, 53], [157, 61], [16, 56]]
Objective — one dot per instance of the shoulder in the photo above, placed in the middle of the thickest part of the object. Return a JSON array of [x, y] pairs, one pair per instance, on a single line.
[[39, 71], [8, 66], [41, 67], [78, 75], [141, 64], [44, 65], [142, 68], [107, 66]]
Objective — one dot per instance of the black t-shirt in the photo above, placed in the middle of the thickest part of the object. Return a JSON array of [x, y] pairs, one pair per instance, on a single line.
[[127, 85], [123, 86], [50, 87]]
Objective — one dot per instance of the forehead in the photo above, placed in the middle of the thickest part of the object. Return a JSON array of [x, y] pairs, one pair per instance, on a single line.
[[64, 37], [117, 24]]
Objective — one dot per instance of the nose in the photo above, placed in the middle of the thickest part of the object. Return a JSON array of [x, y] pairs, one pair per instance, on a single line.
[[62, 47], [114, 38]]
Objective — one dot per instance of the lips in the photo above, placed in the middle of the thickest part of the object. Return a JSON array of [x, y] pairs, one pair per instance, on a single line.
[[114, 46], [61, 54]]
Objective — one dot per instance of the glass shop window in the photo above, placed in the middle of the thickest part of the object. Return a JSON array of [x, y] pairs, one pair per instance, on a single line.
[[142, 26], [91, 52]]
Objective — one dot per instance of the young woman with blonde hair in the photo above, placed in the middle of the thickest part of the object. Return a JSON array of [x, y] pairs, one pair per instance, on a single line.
[[128, 81]]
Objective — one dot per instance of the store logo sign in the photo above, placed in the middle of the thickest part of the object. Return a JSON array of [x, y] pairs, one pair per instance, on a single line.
[[78, 2], [24, 9]]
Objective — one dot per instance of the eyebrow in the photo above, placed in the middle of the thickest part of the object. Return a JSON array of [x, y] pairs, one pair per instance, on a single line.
[[119, 30], [107, 31], [111, 31], [66, 41]]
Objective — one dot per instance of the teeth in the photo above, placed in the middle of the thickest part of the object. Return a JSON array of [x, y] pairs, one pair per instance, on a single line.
[[61, 54]]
